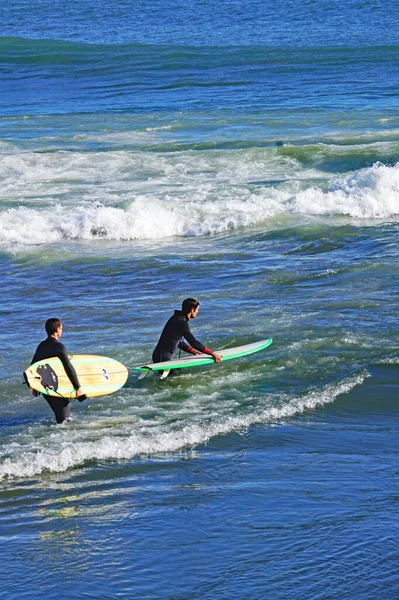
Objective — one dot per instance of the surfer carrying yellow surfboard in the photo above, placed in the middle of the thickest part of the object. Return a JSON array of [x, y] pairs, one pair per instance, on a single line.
[[53, 347], [177, 334]]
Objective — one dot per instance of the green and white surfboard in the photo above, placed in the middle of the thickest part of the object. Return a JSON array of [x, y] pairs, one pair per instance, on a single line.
[[163, 368]]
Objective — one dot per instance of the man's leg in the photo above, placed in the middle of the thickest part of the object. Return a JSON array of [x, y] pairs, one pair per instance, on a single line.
[[59, 406]]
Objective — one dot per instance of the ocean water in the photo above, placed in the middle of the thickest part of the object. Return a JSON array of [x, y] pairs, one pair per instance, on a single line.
[[247, 154]]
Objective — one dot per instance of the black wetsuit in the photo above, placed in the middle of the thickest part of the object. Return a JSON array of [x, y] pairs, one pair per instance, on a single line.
[[172, 336], [47, 349]]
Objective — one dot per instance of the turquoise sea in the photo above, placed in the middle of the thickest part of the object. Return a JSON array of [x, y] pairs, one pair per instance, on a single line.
[[246, 153]]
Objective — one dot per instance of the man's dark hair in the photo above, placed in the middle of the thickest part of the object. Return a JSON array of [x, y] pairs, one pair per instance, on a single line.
[[52, 326], [188, 304]]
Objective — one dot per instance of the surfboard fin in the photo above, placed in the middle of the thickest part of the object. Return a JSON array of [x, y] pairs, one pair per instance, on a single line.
[[145, 374], [164, 374]]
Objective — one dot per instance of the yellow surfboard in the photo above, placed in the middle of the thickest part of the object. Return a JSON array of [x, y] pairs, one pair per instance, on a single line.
[[98, 376]]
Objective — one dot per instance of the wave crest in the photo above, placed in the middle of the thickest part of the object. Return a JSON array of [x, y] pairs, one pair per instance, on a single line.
[[371, 193], [210, 208], [70, 454]]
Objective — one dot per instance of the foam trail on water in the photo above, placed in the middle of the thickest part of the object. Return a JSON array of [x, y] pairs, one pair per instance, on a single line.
[[57, 455]]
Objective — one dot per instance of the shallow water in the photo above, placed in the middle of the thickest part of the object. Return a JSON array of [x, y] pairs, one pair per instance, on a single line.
[[143, 164]]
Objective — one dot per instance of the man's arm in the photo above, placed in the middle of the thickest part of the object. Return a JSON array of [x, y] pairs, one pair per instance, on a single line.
[[185, 347], [192, 342], [69, 369], [198, 347]]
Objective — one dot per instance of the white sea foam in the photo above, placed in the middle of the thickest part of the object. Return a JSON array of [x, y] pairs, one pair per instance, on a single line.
[[67, 448], [371, 193], [389, 361], [122, 196]]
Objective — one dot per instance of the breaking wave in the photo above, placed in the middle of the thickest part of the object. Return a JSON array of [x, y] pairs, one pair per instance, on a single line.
[[57, 453], [208, 208]]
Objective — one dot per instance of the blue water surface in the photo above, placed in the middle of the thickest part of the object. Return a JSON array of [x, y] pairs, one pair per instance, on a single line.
[[246, 153]]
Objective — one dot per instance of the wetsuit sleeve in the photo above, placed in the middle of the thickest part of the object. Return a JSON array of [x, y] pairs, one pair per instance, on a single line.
[[183, 346], [69, 370], [188, 336]]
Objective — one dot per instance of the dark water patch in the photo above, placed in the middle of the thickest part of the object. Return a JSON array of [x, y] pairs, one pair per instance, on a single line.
[[8, 422], [322, 245], [376, 396], [339, 158]]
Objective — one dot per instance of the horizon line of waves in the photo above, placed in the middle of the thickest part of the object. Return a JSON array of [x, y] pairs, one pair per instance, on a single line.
[[155, 441], [209, 209], [110, 71], [333, 152], [376, 146], [47, 49]]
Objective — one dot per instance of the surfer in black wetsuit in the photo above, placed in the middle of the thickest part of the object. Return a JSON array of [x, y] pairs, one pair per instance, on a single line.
[[177, 334], [47, 349]]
